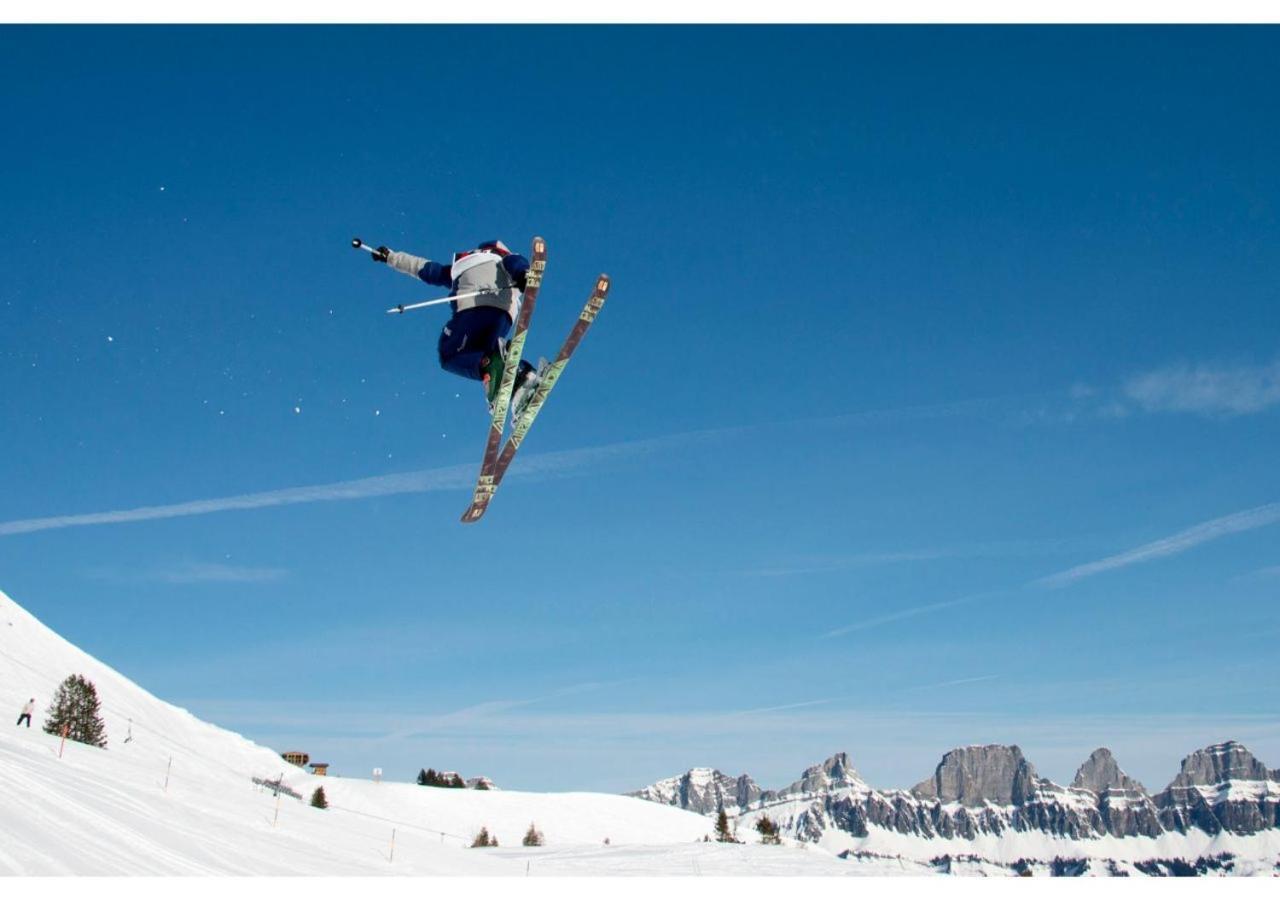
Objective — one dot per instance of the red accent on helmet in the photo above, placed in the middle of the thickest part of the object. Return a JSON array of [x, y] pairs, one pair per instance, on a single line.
[[496, 247]]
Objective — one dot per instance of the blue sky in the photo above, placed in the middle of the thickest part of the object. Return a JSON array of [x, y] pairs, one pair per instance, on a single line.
[[937, 400]]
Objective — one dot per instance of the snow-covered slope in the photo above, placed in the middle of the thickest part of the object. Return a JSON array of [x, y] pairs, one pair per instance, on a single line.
[[178, 797], [171, 794]]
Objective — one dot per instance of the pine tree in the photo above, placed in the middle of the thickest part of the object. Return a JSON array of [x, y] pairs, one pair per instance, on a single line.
[[723, 833], [456, 781], [76, 706], [318, 799], [768, 830], [532, 837], [483, 839], [423, 779], [482, 786]]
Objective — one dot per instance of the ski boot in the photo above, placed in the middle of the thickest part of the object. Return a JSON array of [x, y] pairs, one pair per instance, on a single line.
[[491, 375], [527, 381]]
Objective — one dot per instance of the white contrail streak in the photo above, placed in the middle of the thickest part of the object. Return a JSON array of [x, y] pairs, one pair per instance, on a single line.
[[1247, 520], [445, 478]]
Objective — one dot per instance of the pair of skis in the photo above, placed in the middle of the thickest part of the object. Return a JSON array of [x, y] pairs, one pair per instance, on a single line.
[[495, 463]]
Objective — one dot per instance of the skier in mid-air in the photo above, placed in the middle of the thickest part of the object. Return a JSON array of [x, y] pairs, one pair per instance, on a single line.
[[490, 290], [487, 285]]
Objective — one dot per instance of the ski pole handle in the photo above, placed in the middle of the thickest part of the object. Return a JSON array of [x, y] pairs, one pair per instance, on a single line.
[[378, 254]]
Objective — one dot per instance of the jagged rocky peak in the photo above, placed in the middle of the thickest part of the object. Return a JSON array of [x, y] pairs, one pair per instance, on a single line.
[[703, 790], [1100, 773], [1220, 763], [835, 772], [972, 776]]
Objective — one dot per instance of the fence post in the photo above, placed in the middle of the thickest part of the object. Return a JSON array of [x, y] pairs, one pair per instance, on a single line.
[[279, 785], [393, 846], [166, 774]]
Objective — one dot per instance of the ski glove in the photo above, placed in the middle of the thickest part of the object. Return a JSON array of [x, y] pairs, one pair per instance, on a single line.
[[381, 254]]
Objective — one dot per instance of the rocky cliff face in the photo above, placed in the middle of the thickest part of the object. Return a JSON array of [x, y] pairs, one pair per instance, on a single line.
[[1124, 806], [704, 791], [1221, 788], [976, 776], [1101, 773], [834, 773], [993, 789]]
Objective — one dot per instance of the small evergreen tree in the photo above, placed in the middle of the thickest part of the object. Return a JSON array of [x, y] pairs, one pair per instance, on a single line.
[[768, 830], [423, 778], [724, 833], [533, 837], [484, 839], [318, 799], [76, 706], [456, 781]]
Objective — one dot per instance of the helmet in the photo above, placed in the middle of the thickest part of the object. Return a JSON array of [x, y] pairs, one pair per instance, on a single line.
[[487, 247], [496, 247]]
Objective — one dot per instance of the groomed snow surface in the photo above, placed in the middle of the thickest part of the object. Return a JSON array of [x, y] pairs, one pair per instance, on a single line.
[[172, 795]]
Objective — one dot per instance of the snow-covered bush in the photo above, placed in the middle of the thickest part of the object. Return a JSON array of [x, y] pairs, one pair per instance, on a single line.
[[484, 839]]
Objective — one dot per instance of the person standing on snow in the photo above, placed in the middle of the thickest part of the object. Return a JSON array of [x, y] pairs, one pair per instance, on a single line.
[[27, 711], [488, 285]]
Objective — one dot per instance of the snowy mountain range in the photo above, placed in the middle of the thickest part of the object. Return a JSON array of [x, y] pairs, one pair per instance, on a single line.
[[173, 795], [988, 802]]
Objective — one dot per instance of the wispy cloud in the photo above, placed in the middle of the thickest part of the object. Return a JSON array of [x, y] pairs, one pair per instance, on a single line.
[[1263, 574], [444, 478], [192, 573], [1206, 389], [840, 563], [1247, 520], [487, 710], [786, 706], [954, 683], [908, 613], [818, 563], [441, 479]]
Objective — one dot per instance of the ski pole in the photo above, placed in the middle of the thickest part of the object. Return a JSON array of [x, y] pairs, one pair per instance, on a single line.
[[403, 308]]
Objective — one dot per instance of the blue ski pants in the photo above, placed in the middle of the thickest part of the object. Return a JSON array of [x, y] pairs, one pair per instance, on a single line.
[[469, 337]]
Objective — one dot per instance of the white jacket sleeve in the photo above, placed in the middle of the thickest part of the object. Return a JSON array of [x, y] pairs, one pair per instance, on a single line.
[[406, 262]]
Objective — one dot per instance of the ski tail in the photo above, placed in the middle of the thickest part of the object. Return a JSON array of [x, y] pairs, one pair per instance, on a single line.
[[486, 483]]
